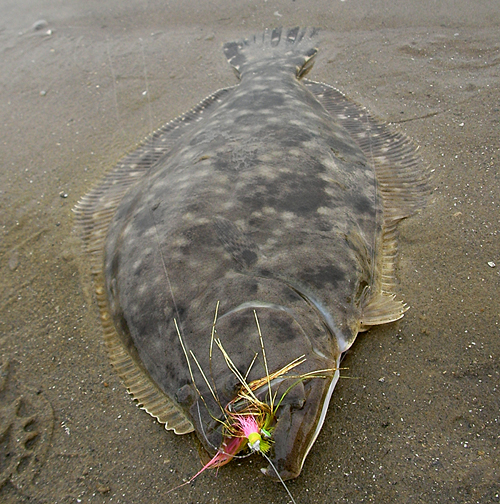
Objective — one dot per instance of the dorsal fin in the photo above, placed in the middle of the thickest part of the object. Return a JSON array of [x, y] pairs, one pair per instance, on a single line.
[[96, 209], [94, 213], [402, 183]]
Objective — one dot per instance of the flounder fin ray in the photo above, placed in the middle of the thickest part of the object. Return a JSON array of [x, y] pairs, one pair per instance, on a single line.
[[401, 174], [402, 180], [93, 214], [137, 381], [293, 49], [96, 209], [382, 309], [139, 385]]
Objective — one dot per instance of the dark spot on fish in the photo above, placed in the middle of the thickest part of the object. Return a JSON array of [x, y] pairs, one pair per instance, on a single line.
[[241, 246], [280, 326], [254, 288], [323, 225], [257, 222], [185, 395], [199, 234], [239, 322], [362, 204], [179, 311], [299, 193], [304, 195], [294, 136], [222, 161], [194, 208], [291, 294], [248, 257], [328, 274], [265, 273], [229, 386], [259, 101], [170, 374]]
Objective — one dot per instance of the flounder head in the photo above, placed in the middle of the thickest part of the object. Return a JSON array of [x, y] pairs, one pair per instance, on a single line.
[[300, 396]]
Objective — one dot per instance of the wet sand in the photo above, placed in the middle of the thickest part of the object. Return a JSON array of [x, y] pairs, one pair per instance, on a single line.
[[416, 419]]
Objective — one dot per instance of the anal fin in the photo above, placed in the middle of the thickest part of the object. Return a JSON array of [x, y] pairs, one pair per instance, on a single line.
[[139, 385]]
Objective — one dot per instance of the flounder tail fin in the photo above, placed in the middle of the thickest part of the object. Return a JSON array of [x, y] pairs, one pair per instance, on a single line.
[[293, 50]]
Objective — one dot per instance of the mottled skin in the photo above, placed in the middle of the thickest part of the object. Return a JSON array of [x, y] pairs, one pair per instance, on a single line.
[[255, 207]]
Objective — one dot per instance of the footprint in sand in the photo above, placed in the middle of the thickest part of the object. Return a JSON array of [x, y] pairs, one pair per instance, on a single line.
[[26, 425]]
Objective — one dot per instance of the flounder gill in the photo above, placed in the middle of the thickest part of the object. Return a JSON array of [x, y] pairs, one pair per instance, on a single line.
[[278, 196]]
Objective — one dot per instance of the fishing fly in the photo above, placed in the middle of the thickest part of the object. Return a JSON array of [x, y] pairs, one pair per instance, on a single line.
[[247, 422]]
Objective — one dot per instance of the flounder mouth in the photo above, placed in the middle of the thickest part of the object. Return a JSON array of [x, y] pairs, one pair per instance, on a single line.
[[298, 428]]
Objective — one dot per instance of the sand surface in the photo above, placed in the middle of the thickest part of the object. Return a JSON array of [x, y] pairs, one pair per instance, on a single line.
[[417, 421]]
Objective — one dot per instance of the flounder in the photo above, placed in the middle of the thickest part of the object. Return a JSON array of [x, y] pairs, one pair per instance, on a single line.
[[277, 196]]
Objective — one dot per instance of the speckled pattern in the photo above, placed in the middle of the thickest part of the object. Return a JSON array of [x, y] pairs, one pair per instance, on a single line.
[[265, 197]]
